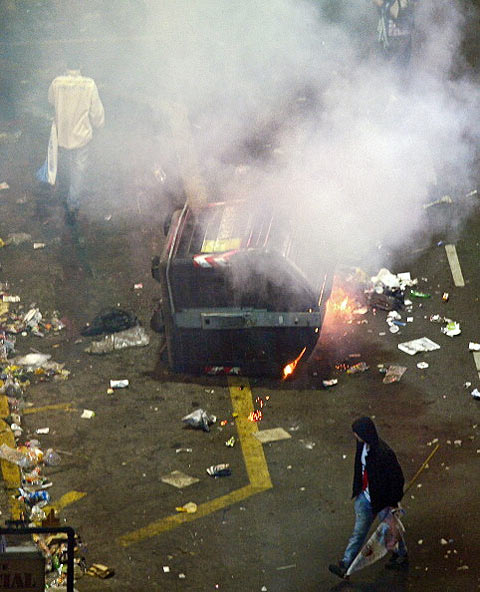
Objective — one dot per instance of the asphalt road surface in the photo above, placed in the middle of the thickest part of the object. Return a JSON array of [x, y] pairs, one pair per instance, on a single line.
[[285, 511]]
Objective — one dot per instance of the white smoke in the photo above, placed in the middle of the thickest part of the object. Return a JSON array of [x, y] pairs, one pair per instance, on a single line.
[[360, 160]]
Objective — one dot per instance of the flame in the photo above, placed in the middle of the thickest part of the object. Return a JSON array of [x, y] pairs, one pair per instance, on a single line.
[[340, 303], [290, 368]]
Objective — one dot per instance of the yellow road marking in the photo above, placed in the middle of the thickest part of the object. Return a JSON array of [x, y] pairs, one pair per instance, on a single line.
[[10, 471], [252, 449], [4, 409], [66, 500], [66, 406], [255, 463]]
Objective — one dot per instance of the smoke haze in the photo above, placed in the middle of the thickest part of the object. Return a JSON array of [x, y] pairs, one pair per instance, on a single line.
[[288, 101]]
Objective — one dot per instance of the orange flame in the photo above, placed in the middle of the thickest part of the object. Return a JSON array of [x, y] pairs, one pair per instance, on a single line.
[[290, 368], [340, 303]]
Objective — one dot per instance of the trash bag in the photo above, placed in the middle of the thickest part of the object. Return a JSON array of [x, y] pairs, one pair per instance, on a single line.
[[199, 419], [47, 173], [110, 321]]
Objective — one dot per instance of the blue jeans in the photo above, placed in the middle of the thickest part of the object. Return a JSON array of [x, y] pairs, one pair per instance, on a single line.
[[73, 165], [364, 518]]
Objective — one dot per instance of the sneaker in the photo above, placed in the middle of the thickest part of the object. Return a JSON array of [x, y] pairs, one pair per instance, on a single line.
[[339, 569], [397, 562]]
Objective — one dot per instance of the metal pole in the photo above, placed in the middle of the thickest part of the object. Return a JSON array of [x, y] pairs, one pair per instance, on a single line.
[[18, 527]]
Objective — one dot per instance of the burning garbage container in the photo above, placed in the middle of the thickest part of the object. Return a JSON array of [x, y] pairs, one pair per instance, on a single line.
[[240, 292]]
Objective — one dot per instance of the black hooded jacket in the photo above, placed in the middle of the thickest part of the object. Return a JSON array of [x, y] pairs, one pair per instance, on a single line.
[[385, 477]]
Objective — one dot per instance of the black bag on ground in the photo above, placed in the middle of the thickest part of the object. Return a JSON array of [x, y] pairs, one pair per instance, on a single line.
[[110, 321]]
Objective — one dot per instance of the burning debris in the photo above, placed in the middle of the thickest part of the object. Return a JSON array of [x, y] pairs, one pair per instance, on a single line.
[[290, 368]]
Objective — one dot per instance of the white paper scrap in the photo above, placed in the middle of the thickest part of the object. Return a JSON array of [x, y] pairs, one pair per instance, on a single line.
[[474, 346], [476, 394], [272, 435], [423, 344], [179, 479], [42, 430], [119, 383], [87, 414]]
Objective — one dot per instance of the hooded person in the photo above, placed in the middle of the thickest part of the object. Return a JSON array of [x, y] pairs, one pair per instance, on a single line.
[[377, 487]]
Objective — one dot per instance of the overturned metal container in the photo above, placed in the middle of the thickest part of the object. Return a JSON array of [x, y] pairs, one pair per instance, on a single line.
[[237, 290]]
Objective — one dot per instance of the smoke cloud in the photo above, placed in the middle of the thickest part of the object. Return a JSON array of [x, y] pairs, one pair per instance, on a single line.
[[288, 101]]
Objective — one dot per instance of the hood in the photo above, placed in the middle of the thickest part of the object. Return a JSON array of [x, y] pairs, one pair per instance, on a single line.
[[366, 429]]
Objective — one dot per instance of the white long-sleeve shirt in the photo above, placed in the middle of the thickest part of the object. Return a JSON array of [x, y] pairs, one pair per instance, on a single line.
[[78, 108]]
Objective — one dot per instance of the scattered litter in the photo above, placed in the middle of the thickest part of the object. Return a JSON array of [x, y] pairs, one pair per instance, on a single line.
[[100, 570], [308, 444], [17, 238], [457, 443], [409, 319], [118, 384], [462, 567], [394, 328], [443, 542], [4, 185], [221, 470], [420, 541], [42, 430], [39, 245], [263, 589], [166, 569], [418, 294], [451, 329], [282, 567], [474, 346], [331, 382], [360, 367], [422, 365], [133, 337], [446, 199], [476, 394], [272, 435], [9, 298], [181, 576], [360, 311], [183, 450], [137, 286], [423, 344], [199, 419], [16, 457], [34, 360], [189, 508], [394, 373], [179, 479], [87, 414], [230, 443], [445, 296]]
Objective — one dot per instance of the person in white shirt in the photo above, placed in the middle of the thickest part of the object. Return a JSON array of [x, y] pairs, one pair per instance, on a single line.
[[78, 110]]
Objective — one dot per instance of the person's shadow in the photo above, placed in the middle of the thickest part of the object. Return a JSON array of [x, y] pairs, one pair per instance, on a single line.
[[384, 582]]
